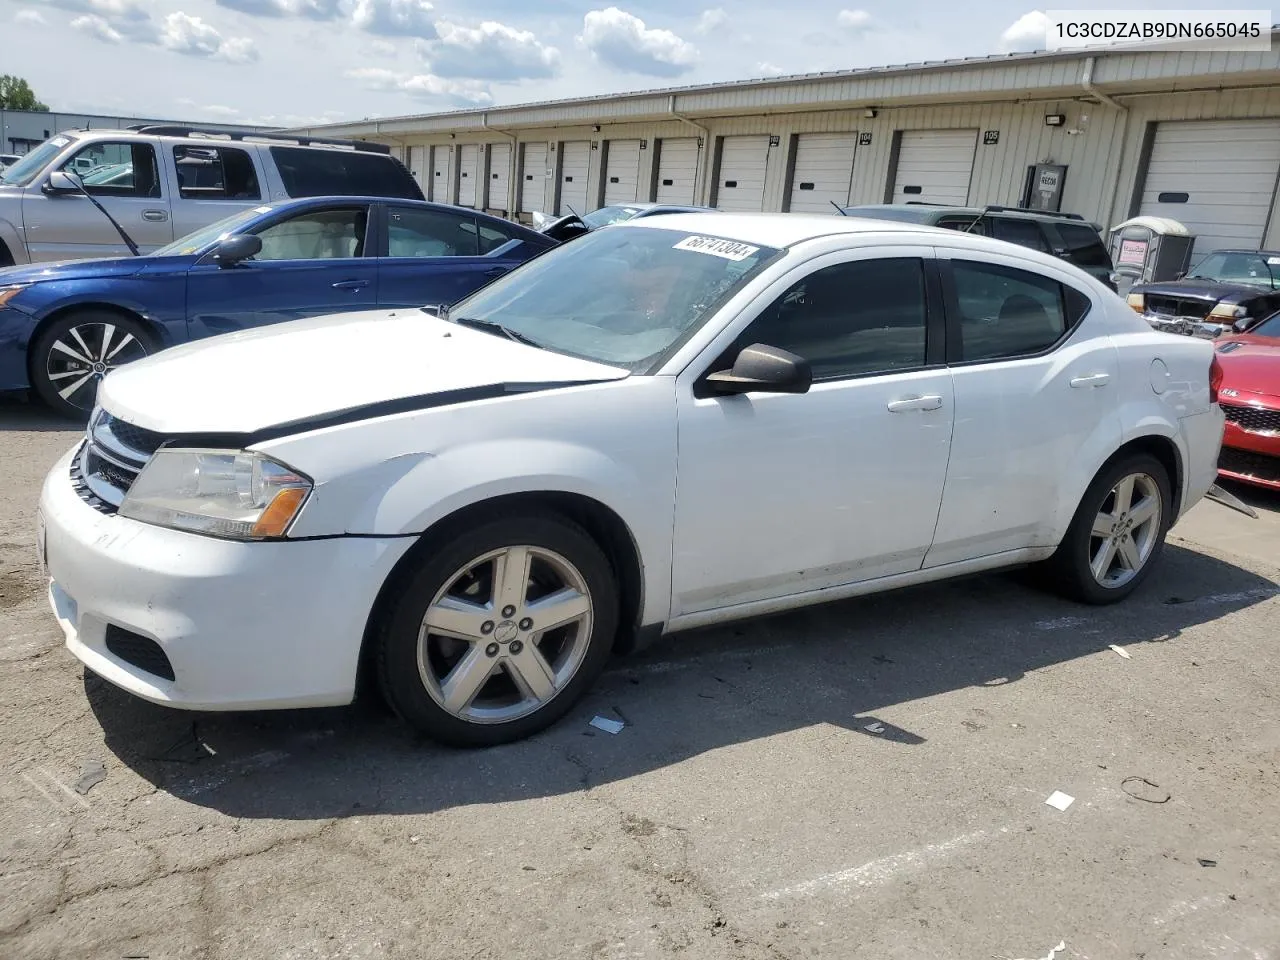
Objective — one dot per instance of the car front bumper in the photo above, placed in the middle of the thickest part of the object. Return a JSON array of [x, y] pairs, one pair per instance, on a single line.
[[1250, 457], [236, 625], [1188, 326]]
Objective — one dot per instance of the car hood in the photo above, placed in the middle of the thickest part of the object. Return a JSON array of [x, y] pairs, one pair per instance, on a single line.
[[72, 270], [1250, 364], [1210, 290], [301, 374]]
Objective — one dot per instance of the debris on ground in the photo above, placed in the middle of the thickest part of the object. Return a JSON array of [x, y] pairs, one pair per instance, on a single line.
[[1062, 945], [1060, 801], [876, 727], [607, 725], [1140, 788], [92, 773], [1206, 863], [1120, 650]]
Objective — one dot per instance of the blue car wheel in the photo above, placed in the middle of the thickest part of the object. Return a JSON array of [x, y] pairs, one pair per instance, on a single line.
[[70, 358]]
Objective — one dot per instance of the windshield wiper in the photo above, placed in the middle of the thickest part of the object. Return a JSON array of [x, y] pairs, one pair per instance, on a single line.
[[492, 326]]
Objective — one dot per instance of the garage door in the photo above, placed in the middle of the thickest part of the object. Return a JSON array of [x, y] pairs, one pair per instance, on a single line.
[[418, 166], [575, 163], [499, 175], [823, 171], [533, 178], [743, 162], [1218, 177], [468, 173], [622, 176], [441, 170], [677, 169], [934, 166]]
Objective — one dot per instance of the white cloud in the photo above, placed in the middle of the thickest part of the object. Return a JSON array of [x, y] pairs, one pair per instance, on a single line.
[[711, 20], [218, 110], [97, 27], [622, 41], [423, 86], [193, 37], [310, 9], [383, 48], [491, 51], [855, 20], [1029, 32], [395, 18], [28, 16], [769, 70]]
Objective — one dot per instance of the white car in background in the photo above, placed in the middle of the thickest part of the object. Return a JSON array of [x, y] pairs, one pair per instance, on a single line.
[[662, 425]]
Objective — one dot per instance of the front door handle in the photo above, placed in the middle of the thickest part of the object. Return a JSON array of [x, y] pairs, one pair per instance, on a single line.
[[350, 284], [155, 216], [1094, 380], [915, 403]]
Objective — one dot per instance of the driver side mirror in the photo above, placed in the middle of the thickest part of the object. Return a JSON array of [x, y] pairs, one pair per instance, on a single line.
[[232, 250], [62, 182], [760, 368]]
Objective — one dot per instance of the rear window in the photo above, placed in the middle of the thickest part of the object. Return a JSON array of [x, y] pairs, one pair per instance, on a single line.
[[1083, 245], [1025, 233], [343, 173]]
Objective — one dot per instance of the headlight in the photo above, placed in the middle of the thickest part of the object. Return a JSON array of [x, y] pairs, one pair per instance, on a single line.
[[1228, 311], [1137, 301], [224, 493], [8, 293]]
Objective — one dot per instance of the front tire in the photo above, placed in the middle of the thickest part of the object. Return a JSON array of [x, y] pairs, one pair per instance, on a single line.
[[72, 355], [1117, 534], [499, 631]]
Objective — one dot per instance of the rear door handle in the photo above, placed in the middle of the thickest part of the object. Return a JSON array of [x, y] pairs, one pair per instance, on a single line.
[[1094, 380], [915, 403], [350, 284], [155, 216]]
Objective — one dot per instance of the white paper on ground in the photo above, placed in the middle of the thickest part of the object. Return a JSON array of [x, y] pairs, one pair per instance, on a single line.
[[1059, 800], [607, 725], [1120, 650]]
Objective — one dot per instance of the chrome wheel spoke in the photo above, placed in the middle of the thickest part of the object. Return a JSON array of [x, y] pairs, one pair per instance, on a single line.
[[1103, 524], [558, 609], [1124, 496], [466, 680], [128, 339], [75, 332], [1130, 556], [108, 331], [1128, 533], [451, 617], [531, 672], [66, 392], [1148, 508], [511, 578], [63, 347], [1101, 563]]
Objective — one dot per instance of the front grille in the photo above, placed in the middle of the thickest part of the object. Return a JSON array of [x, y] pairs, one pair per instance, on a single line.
[[1253, 419], [142, 652], [1166, 306], [1249, 464], [113, 455]]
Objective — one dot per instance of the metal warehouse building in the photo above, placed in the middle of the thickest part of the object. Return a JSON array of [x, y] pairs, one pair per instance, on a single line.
[[1121, 131]]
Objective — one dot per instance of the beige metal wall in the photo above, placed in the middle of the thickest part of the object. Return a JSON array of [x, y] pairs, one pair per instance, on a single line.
[[1100, 145]]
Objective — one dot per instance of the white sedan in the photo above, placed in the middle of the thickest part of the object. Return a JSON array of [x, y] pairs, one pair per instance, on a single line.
[[662, 425]]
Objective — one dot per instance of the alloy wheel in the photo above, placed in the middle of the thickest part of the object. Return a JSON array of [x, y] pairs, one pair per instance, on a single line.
[[505, 634], [83, 355], [1125, 531]]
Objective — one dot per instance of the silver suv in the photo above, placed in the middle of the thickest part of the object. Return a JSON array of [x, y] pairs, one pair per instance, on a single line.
[[160, 183]]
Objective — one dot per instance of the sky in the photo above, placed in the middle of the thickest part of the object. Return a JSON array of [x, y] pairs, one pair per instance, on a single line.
[[301, 62]]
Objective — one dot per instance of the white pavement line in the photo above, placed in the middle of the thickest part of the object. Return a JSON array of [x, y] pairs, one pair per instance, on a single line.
[[877, 872], [1186, 907], [75, 797], [53, 801]]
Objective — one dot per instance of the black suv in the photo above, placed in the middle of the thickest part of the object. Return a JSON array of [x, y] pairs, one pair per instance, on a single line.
[[1065, 235]]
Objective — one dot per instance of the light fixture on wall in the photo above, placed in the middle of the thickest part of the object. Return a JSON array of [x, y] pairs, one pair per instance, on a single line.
[[1055, 119], [869, 113], [596, 128]]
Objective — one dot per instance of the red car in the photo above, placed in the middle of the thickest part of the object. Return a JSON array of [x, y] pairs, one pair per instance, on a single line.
[[1249, 395]]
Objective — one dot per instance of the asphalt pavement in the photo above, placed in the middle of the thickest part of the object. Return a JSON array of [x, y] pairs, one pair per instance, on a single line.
[[865, 779]]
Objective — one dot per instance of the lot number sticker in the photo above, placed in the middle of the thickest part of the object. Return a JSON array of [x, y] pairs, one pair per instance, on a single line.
[[728, 249]]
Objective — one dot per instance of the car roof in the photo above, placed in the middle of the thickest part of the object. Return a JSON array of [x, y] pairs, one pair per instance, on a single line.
[[1254, 253], [326, 201], [777, 229]]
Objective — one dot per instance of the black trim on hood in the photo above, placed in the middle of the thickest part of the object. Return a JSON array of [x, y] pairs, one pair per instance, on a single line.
[[369, 411]]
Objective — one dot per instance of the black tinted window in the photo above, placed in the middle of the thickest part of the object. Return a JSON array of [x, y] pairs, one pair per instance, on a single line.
[[961, 223], [851, 318], [1025, 233], [331, 172], [117, 169], [1083, 245], [429, 233], [215, 173], [1011, 313]]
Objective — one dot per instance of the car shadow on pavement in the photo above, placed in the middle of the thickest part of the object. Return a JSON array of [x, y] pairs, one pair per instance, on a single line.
[[19, 415], [808, 673]]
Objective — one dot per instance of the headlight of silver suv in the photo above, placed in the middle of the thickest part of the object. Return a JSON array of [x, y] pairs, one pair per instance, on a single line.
[[223, 493]]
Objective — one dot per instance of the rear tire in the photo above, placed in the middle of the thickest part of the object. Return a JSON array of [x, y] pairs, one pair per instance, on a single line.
[[72, 355], [6, 258], [1117, 534], [499, 630]]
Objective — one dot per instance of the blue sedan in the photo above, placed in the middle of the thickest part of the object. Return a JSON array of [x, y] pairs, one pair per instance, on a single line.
[[63, 326]]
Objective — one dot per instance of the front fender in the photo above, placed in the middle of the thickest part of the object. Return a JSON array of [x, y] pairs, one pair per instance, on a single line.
[[12, 238]]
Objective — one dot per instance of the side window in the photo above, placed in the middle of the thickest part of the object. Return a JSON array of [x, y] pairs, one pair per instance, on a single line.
[[867, 316], [215, 173], [1025, 233], [327, 172], [116, 169], [1083, 245], [1006, 312], [429, 233], [961, 223], [493, 237], [316, 235]]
